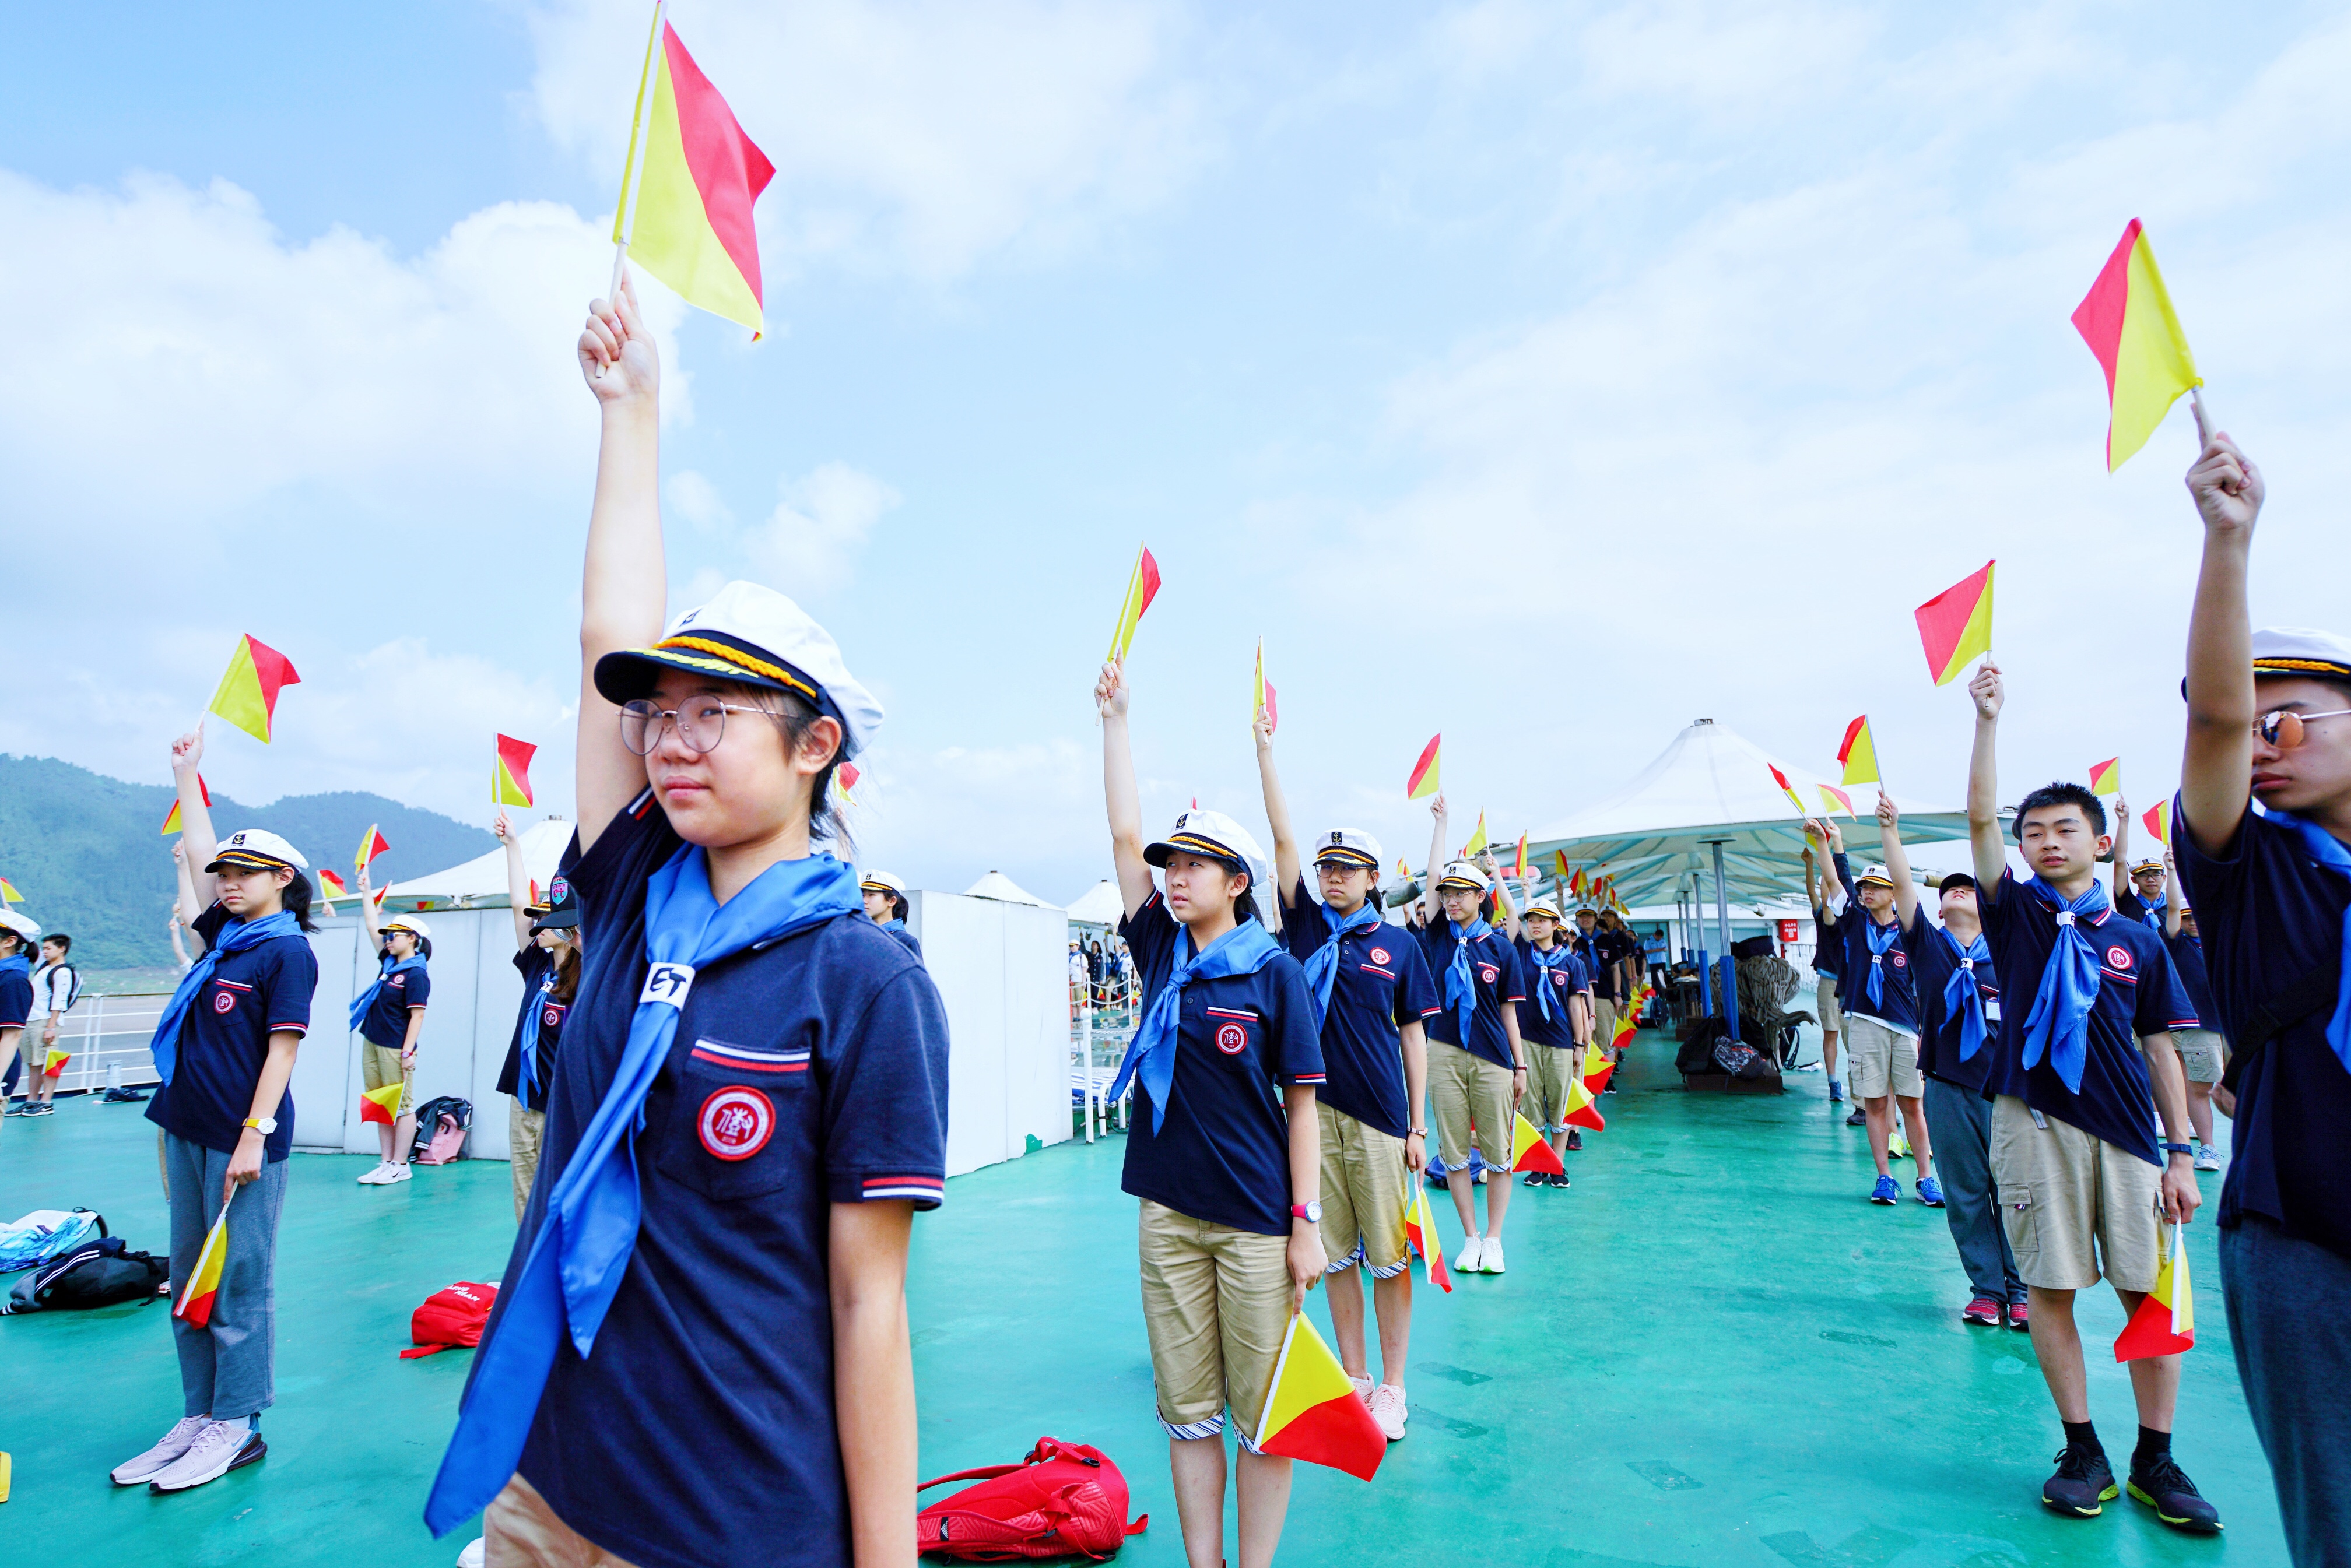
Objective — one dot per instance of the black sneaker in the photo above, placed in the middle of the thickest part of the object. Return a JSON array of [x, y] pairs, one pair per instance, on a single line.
[[1574, 1139], [2165, 1487], [1558, 1180], [2083, 1486], [1860, 1118], [1537, 1179]]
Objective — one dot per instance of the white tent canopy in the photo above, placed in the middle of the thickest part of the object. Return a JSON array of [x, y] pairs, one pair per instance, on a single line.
[[481, 882], [1003, 889], [1100, 905]]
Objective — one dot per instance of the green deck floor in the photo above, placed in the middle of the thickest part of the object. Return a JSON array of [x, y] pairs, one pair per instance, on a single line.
[[1710, 1351]]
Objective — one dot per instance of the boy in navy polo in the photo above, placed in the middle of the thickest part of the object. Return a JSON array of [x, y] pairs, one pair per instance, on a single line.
[[2269, 722], [2084, 1066], [1881, 1024], [390, 1015], [1958, 1009], [2203, 1050], [1555, 1022], [17, 934], [1827, 964]]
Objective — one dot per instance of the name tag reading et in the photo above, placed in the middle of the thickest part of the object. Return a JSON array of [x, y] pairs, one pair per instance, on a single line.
[[668, 983]]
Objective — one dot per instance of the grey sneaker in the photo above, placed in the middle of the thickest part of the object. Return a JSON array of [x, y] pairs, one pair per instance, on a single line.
[[2207, 1157], [218, 1450], [149, 1465]]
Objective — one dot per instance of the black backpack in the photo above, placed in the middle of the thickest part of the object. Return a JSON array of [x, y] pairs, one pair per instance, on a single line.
[[96, 1273]]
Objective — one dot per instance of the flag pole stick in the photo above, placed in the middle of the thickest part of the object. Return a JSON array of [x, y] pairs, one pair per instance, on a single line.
[[2203, 417], [622, 228]]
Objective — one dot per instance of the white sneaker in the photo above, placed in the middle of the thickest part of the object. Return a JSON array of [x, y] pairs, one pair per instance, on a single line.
[[1467, 1263], [1363, 1387], [218, 1450], [394, 1173], [1490, 1256], [149, 1465], [2207, 1157], [1388, 1410], [375, 1177], [477, 1554]]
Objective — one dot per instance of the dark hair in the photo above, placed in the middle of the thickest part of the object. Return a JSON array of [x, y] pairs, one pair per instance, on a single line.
[[1955, 879], [2062, 794], [793, 715], [567, 971], [65, 942], [296, 898], [900, 908]]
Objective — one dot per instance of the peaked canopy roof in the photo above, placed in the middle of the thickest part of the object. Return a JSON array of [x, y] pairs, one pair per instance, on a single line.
[[1712, 785], [1100, 905], [482, 881], [1003, 889]]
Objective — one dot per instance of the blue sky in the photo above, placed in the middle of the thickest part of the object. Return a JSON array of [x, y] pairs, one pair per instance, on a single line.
[[1547, 375]]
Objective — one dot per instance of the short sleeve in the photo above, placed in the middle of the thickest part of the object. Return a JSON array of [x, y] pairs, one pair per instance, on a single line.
[[15, 1001], [2162, 1003], [290, 982], [886, 1100], [420, 988], [1297, 1053], [1416, 993], [208, 924], [1514, 977], [1150, 935], [633, 846]]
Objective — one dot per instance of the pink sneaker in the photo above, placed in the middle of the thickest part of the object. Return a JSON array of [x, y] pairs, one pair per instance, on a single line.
[[1388, 1410]]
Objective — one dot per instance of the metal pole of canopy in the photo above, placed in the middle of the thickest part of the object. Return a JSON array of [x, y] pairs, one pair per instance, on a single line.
[[1722, 930]]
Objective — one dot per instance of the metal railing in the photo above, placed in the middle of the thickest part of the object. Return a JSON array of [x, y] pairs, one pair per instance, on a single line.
[[103, 1034], [1101, 1021]]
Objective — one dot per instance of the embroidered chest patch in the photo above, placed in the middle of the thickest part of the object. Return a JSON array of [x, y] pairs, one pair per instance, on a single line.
[[1379, 955], [2119, 957], [735, 1123]]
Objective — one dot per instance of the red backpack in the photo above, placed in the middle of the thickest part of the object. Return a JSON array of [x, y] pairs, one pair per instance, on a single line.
[[453, 1317], [1065, 1500]]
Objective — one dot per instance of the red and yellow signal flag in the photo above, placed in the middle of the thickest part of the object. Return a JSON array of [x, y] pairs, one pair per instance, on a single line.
[[1583, 1110], [695, 187], [2106, 777], [2158, 818], [1787, 789], [247, 697], [1528, 1150], [380, 1105], [1596, 1070], [1420, 1234], [2164, 1323], [371, 847], [55, 1064], [1423, 782], [1477, 839], [1625, 1029], [510, 774], [1142, 587], [1265, 697], [1955, 626], [8, 894], [1520, 871], [1312, 1412], [847, 777], [2128, 321], [1858, 755], [194, 1307], [1835, 799], [171, 824], [331, 888]]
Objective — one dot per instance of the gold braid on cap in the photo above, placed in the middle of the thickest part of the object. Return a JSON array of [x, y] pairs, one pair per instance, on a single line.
[[741, 661], [2280, 666]]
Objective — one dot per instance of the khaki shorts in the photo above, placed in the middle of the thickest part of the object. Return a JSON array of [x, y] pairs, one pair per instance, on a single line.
[[2202, 1053], [1550, 1068], [1880, 1060], [1216, 1302], [1825, 1000], [1365, 1185], [1473, 1105], [379, 1067], [521, 1531], [1603, 1021], [2062, 1189], [524, 1130]]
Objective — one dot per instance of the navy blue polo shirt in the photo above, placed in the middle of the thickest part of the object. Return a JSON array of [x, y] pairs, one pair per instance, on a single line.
[[2269, 916], [1223, 1154], [2195, 981], [540, 1020], [1934, 959], [1897, 1006], [2137, 995], [1380, 984], [1587, 951], [16, 997], [225, 1038], [906, 939], [1561, 981], [805, 1073], [1494, 970], [385, 1022], [1828, 952]]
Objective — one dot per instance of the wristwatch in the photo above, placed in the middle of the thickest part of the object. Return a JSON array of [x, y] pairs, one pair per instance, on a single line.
[[2179, 1148], [265, 1125], [1311, 1211], [1419, 1132]]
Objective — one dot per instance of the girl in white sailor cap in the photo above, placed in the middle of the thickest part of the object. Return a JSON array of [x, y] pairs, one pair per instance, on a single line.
[[1556, 1023], [700, 1355], [1223, 1149], [225, 1049], [17, 934], [390, 1016], [887, 907]]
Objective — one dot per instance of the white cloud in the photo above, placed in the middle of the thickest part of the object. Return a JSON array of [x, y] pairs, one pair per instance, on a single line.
[[809, 542], [917, 138]]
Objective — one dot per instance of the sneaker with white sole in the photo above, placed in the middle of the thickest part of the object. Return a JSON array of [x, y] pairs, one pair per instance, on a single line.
[[1467, 1263], [218, 1450], [392, 1174], [373, 1177], [1362, 1386], [1388, 1410], [2207, 1157], [475, 1555], [149, 1465], [1490, 1256]]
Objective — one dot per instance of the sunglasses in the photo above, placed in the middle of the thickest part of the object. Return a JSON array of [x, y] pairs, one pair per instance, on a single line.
[[2283, 727]]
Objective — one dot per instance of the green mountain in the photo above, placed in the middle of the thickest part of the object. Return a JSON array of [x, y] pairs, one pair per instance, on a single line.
[[84, 851]]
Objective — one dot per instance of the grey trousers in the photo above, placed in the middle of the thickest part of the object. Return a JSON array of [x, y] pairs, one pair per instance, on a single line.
[[1961, 1122], [225, 1366], [2290, 1323]]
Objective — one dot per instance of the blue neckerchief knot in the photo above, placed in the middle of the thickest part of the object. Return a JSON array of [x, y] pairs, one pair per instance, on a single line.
[[2329, 852], [1323, 965], [366, 999], [1247, 948], [1962, 994], [1460, 979], [1881, 939], [2153, 914], [588, 1225], [1558, 954], [234, 938], [2058, 1027]]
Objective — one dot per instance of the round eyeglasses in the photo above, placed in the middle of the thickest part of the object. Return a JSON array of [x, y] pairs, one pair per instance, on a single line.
[[701, 724]]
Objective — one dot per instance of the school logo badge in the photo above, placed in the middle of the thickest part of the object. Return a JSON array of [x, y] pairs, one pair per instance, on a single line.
[[400, 981], [223, 1001], [1489, 973], [1232, 1039], [550, 1016], [736, 1122], [2119, 957], [1901, 961], [1379, 955]]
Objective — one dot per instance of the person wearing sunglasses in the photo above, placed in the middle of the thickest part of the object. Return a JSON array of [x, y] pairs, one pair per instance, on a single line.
[[2269, 724], [701, 1337]]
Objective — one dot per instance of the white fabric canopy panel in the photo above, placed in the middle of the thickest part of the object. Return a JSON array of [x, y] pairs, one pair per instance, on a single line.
[[481, 882], [1100, 905], [1004, 889]]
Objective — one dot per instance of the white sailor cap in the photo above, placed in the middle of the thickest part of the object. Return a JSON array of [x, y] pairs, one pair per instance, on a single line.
[[256, 849], [408, 923], [1542, 907], [882, 882], [1875, 873], [1348, 847], [753, 636], [24, 926], [1207, 833], [2300, 650], [1463, 874]]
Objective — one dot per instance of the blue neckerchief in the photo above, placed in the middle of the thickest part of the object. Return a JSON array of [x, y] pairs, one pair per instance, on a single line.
[[1881, 939], [1460, 982], [1151, 1055], [1961, 999], [1322, 966], [1558, 954], [366, 999], [530, 1044], [2059, 1024], [234, 938], [894, 924], [588, 1226], [2328, 851], [2153, 914]]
